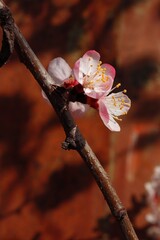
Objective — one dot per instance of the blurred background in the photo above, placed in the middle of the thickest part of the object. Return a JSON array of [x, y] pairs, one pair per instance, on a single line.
[[47, 193]]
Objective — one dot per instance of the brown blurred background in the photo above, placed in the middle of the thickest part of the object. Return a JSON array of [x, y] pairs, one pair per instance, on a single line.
[[47, 193]]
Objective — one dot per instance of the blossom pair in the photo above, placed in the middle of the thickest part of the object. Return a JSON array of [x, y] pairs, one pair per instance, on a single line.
[[96, 81]]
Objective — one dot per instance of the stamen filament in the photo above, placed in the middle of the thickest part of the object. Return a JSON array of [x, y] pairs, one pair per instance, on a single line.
[[117, 86]]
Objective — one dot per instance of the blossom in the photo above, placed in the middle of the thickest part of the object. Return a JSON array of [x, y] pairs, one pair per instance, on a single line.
[[111, 107], [94, 80], [61, 74], [95, 77], [153, 196]]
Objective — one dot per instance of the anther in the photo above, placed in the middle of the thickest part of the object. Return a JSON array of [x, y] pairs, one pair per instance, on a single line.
[[117, 118], [118, 85]]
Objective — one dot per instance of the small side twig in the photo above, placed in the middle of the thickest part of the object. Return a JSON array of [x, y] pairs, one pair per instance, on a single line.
[[74, 139]]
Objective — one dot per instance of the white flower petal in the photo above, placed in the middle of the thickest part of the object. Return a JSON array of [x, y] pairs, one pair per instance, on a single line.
[[110, 70], [106, 117], [78, 109], [150, 189], [77, 73], [89, 62], [59, 70], [113, 125], [157, 172], [151, 218], [118, 103]]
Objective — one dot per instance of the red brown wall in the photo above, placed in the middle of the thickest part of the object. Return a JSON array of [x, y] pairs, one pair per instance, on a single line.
[[46, 192]]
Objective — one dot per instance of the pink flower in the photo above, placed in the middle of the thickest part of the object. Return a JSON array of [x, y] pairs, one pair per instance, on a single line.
[[61, 74], [153, 197], [111, 107], [95, 77]]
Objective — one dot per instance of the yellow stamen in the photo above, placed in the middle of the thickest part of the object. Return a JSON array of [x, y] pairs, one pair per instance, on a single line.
[[114, 101], [117, 118], [118, 85]]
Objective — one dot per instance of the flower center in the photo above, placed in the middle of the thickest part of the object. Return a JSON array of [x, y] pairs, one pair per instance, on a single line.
[[121, 104], [95, 77], [118, 102]]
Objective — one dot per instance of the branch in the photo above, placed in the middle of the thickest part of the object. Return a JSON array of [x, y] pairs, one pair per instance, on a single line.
[[6, 22], [58, 97]]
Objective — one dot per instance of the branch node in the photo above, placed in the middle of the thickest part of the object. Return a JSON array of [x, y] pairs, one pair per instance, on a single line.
[[70, 141], [74, 140], [120, 214]]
